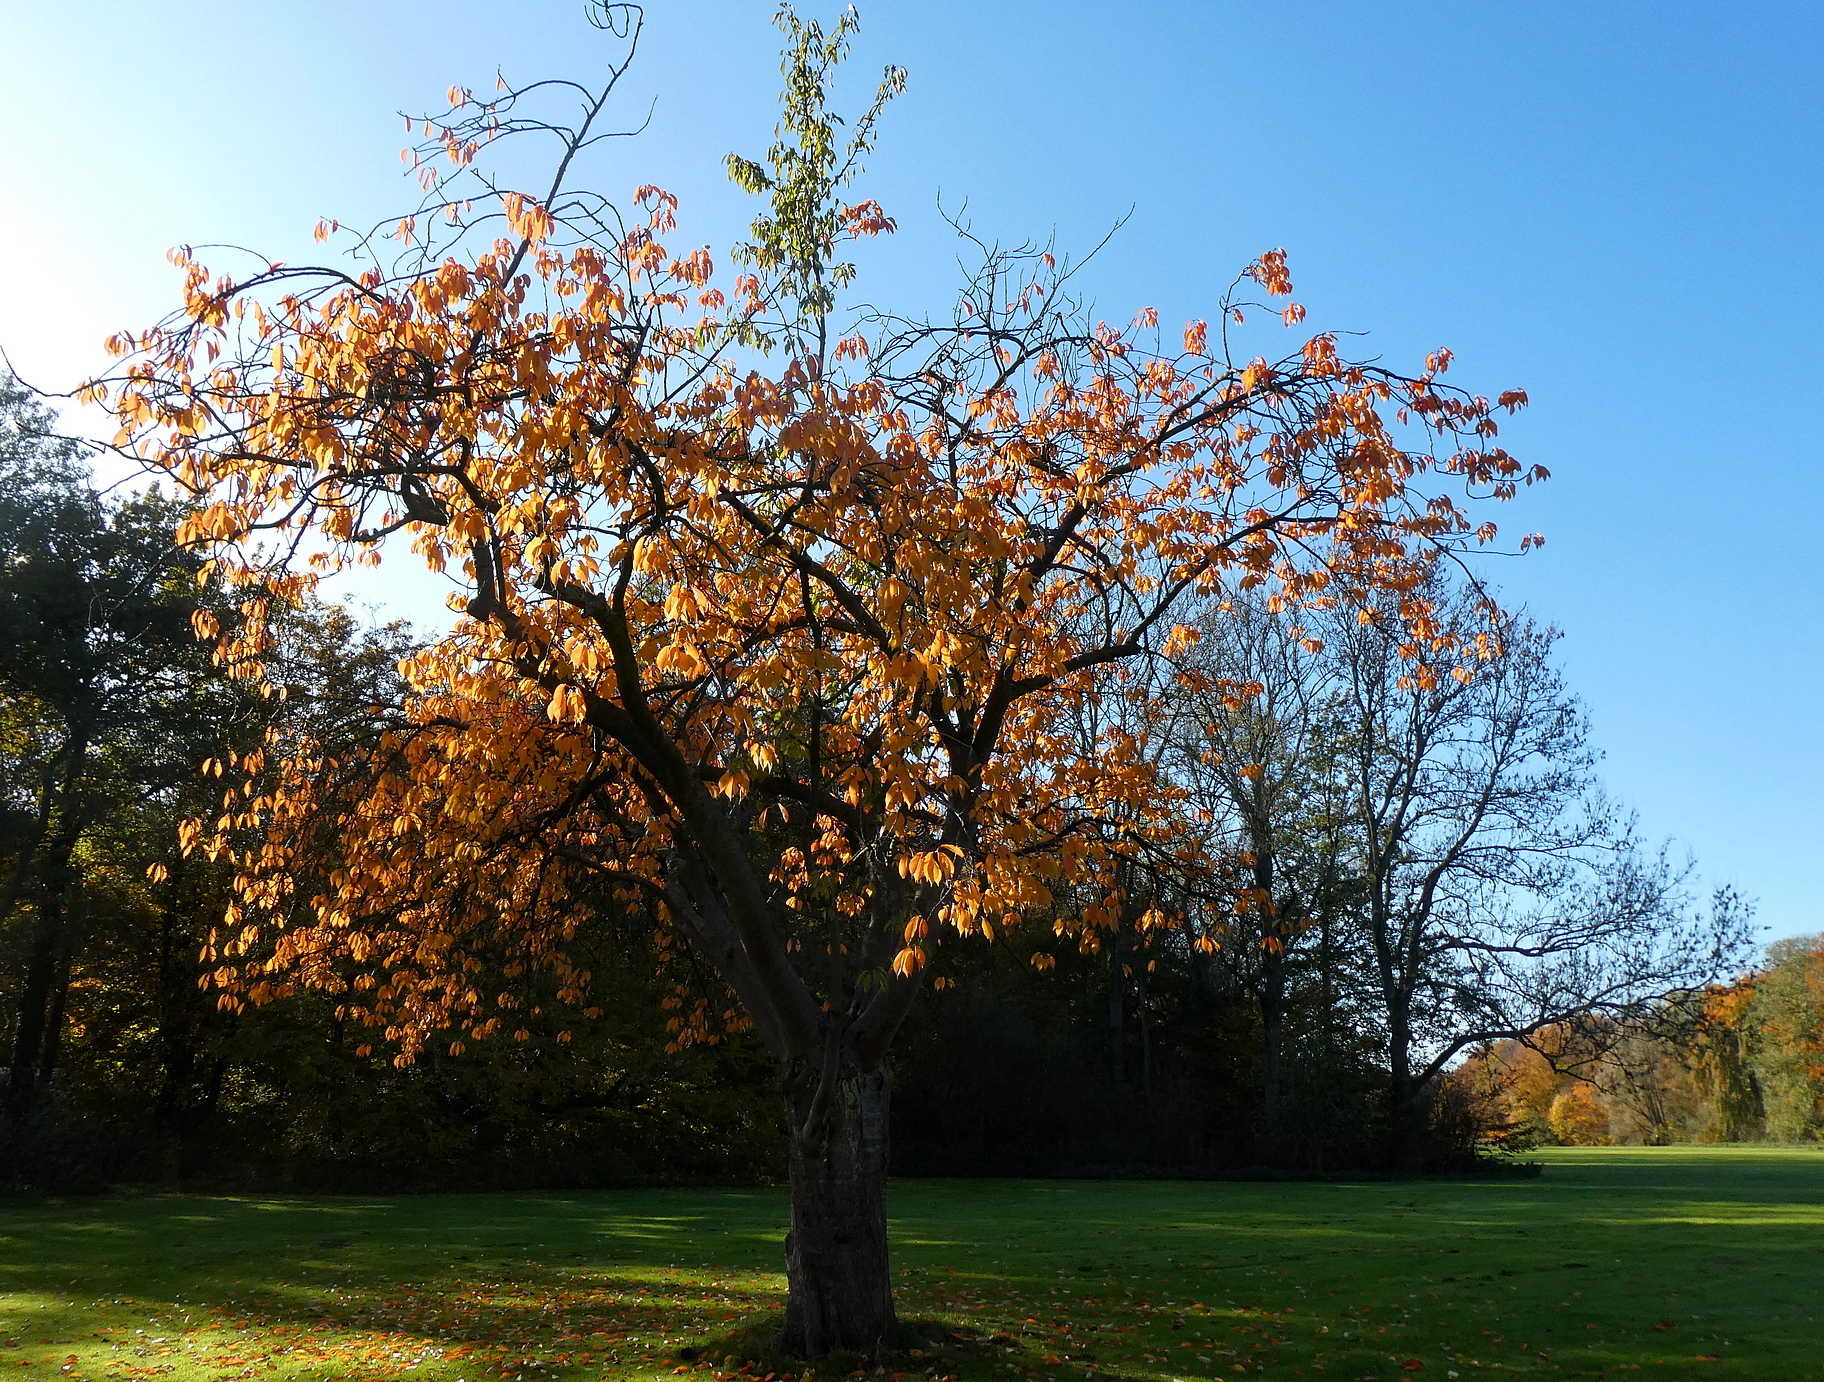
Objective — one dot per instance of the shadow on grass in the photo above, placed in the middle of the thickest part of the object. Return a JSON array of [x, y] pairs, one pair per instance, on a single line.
[[446, 1288], [942, 1350], [1580, 1266], [546, 1324]]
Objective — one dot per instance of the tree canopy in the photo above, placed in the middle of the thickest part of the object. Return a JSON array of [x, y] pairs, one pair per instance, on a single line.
[[863, 591], [778, 632]]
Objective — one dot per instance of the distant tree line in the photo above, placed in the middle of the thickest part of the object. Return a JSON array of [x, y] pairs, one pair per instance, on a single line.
[[1735, 1062], [1434, 936]]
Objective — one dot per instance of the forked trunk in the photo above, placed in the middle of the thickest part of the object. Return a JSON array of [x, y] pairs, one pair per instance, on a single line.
[[836, 1269]]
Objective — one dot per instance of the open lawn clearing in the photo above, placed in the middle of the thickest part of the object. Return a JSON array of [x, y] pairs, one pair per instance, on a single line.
[[1682, 1262]]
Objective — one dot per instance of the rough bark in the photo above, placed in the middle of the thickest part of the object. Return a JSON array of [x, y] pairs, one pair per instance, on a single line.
[[836, 1265]]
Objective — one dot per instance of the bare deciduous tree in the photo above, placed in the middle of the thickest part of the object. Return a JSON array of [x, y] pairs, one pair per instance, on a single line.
[[1443, 825], [1501, 892]]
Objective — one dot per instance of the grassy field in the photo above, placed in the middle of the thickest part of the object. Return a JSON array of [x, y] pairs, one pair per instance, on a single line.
[[1680, 1262]]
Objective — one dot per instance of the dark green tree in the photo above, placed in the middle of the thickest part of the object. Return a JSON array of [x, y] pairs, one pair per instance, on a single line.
[[97, 657]]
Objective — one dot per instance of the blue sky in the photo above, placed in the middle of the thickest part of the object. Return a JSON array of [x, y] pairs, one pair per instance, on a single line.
[[1615, 206]]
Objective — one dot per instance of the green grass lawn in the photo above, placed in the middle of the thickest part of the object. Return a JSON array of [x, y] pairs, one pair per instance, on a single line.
[[1681, 1262]]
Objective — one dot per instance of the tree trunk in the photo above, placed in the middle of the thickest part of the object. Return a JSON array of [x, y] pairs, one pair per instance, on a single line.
[[1270, 997], [836, 1268], [40, 996], [34, 998], [28, 850], [1146, 1030], [1270, 992], [177, 1051], [1325, 958], [53, 1022], [179, 1032], [1116, 1036], [1406, 1113]]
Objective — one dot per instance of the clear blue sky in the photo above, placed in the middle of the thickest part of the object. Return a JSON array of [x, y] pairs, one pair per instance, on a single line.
[[1616, 206]]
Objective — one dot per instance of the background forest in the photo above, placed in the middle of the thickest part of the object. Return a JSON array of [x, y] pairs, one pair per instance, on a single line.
[[1439, 938]]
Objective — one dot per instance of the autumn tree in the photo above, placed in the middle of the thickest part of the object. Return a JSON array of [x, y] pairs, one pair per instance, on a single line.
[[1522, 1081], [770, 622], [1786, 1017], [1732, 1062], [1577, 1117], [326, 678], [1718, 1055]]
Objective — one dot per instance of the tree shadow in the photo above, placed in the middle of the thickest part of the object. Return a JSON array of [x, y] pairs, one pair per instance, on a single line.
[[937, 1349], [445, 1288]]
